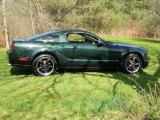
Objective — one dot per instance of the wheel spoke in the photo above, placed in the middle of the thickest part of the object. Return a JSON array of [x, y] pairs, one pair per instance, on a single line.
[[45, 70], [133, 67], [47, 61], [130, 61], [50, 66], [41, 61], [40, 68], [137, 64], [44, 62], [134, 59], [129, 66]]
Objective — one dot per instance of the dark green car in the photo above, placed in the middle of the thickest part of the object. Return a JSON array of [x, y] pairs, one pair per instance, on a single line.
[[74, 49]]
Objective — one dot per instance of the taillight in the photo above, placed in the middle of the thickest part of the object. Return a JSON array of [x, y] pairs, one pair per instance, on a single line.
[[11, 47], [23, 59]]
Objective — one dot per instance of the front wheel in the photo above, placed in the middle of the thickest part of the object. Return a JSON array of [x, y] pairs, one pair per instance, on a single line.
[[132, 64], [44, 65]]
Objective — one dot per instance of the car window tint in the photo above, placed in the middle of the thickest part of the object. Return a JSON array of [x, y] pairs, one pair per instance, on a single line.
[[51, 38], [63, 37], [48, 38], [75, 37], [91, 38]]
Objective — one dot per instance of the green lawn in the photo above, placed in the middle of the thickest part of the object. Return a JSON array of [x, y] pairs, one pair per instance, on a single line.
[[82, 95]]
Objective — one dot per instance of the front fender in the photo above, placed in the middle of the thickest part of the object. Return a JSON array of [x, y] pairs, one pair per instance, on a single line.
[[131, 51]]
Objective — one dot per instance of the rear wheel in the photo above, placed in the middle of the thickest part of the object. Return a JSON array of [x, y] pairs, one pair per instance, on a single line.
[[44, 65], [132, 64]]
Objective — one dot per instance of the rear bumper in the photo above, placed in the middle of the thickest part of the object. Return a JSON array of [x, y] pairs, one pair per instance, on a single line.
[[13, 60], [9, 57], [19, 65], [146, 61]]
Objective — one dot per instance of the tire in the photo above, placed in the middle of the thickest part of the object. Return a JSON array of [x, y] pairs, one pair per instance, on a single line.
[[131, 64], [44, 65]]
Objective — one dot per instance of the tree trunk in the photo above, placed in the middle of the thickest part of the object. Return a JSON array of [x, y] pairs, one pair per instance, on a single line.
[[31, 15], [43, 19], [5, 24]]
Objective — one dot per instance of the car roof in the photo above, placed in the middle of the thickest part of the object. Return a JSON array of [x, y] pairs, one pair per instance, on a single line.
[[70, 30], [58, 31]]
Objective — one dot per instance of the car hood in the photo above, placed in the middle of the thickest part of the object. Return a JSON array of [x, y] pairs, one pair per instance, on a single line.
[[125, 45]]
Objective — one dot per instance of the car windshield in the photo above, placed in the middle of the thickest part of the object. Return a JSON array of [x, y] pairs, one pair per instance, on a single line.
[[109, 42]]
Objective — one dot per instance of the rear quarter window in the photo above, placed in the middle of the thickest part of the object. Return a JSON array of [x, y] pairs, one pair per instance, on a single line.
[[48, 38]]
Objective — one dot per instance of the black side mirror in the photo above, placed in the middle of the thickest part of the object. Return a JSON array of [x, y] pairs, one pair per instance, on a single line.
[[99, 44]]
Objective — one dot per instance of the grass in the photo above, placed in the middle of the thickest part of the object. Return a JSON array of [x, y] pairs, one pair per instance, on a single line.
[[82, 95]]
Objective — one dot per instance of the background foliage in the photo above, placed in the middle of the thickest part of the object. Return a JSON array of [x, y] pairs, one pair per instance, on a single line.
[[135, 18]]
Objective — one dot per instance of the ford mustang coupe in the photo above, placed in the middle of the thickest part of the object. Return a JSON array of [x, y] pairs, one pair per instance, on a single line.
[[74, 49]]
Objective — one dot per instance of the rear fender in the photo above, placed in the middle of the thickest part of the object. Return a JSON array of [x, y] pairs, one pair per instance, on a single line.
[[60, 58]]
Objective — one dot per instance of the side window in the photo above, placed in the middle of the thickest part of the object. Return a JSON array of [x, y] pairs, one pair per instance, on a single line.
[[91, 38], [75, 38], [51, 38], [48, 38], [63, 37]]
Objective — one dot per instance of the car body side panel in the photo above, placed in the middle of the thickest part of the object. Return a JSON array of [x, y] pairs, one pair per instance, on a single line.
[[84, 55], [68, 56], [88, 55]]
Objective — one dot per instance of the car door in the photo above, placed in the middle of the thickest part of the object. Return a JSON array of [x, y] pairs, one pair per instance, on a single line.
[[86, 54], [104, 53], [75, 53]]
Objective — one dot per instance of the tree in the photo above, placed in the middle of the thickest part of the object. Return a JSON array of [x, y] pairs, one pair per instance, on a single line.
[[153, 19], [31, 16], [5, 24]]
